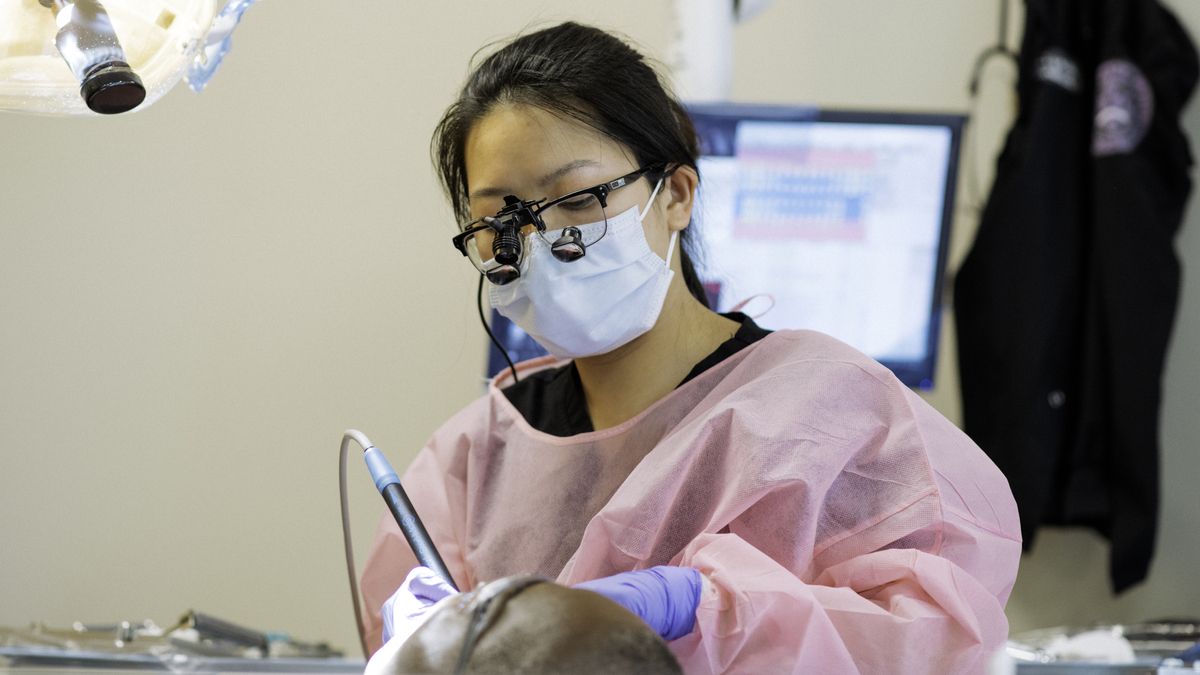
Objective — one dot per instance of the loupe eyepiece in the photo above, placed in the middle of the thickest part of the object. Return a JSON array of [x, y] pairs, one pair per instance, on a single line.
[[505, 274], [506, 246], [569, 247], [506, 250]]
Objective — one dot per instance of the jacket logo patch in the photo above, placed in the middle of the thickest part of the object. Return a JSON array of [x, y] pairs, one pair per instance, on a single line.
[[1124, 108]]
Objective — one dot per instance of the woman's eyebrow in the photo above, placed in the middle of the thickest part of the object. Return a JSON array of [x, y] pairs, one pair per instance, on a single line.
[[564, 170], [544, 181]]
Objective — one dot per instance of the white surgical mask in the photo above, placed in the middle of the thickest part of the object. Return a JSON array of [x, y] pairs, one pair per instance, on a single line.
[[596, 303]]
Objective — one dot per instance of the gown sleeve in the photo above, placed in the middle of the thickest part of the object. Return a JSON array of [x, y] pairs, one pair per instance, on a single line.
[[840, 524], [898, 610]]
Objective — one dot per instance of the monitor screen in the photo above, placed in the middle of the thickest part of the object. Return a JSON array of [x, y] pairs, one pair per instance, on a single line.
[[835, 221]]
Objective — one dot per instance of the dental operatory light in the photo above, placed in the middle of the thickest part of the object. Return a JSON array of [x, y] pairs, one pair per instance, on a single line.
[[87, 57]]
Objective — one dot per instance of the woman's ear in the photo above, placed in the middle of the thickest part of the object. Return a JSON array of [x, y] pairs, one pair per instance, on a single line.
[[680, 187]]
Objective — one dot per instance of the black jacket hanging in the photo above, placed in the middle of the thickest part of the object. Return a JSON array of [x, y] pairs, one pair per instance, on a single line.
[[1065, 303]]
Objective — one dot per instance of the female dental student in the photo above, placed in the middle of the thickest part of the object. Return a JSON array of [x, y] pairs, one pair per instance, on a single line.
[[766, 501]]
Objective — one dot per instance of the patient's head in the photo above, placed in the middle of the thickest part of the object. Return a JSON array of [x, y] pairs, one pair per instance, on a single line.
[[530, 625]]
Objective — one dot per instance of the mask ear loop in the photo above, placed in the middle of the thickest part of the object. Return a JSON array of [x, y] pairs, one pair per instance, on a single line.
[[671, 246], [642, 216], [653, 194]]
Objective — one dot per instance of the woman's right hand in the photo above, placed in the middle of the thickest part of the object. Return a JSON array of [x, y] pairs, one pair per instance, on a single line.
[[413, 602]]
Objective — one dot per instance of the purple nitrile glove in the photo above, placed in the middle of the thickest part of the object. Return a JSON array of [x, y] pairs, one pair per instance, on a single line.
[[411, 604], [665, 597]]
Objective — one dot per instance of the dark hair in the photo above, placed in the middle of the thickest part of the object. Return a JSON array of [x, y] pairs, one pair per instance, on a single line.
[[580, 73]]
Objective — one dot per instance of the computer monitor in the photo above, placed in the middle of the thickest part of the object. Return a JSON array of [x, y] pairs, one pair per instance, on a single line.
[[835, 220]]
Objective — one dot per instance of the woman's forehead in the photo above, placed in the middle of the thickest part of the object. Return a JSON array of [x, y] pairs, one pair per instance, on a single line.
[[520, 146], [528, 125]]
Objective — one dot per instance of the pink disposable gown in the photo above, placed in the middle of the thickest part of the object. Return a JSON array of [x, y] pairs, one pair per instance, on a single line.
[[840, 522]]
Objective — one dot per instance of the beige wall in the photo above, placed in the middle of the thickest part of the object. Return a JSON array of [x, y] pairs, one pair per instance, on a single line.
[[197, 299]]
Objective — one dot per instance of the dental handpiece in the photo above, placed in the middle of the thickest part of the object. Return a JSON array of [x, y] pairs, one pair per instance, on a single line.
[[388, 484]]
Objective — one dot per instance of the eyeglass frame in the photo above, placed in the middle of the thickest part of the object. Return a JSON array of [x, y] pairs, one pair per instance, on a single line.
[[600, 192]]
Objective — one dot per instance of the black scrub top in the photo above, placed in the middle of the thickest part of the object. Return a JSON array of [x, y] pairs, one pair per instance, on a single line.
[[552, 400]]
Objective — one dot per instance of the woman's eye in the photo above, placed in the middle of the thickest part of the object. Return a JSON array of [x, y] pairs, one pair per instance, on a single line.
[[579, 203]]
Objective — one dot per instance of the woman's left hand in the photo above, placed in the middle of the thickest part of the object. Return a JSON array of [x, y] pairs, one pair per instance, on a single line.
[[665, 597]]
